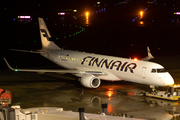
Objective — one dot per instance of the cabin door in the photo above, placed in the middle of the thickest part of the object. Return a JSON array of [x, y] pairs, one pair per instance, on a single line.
[[144, 72]]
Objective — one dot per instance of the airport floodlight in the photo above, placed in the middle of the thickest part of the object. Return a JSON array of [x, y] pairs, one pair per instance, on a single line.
[[177, 13], [87, 15], [141, 13], [98, 3], [61, 13], [26, 17]]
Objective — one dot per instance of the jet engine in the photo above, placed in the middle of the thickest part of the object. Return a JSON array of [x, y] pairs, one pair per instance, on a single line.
[[90, 81]]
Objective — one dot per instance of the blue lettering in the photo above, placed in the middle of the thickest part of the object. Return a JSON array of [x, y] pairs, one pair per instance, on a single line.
[[91, 61], [106, 63], [122, 67], [130, 68], [118, 66], [85, 59], [97, 63]]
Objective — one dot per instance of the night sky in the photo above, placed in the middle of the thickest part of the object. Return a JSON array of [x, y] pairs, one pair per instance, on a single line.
[[114, 28]]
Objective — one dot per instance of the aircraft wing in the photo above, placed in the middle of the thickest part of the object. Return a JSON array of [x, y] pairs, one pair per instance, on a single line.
[[28, 51], [56, 70]]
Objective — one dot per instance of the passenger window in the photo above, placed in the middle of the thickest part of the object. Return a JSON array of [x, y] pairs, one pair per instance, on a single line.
[[153, 71]]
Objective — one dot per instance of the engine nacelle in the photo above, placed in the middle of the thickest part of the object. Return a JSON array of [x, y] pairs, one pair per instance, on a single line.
[[90, 81]]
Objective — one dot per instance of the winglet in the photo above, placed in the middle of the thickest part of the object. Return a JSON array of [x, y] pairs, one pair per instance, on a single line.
[[149, 53], [9, 65], [149, 57]]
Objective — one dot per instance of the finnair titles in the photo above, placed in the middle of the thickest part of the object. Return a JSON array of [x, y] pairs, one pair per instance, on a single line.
[[104, 62]]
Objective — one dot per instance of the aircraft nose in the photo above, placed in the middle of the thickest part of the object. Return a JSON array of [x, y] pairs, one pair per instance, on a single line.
[[169, 80]]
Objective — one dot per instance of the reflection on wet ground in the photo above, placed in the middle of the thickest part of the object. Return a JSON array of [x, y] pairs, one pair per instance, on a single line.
[[53, 90]]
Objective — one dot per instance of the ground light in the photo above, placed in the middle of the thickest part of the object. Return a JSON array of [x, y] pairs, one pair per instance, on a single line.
[[141, 14], [87, 18]]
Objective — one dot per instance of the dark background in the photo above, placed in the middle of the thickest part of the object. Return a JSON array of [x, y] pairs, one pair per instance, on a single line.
[[110, 32]]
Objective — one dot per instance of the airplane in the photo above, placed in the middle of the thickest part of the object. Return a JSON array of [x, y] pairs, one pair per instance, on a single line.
[[92, 68]]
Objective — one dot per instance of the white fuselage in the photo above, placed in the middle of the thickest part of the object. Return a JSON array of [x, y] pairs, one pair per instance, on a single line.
[[116, 68], [93, 67]]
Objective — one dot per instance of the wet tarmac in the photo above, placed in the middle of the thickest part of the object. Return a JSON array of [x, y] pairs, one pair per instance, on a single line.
[[54, 90]]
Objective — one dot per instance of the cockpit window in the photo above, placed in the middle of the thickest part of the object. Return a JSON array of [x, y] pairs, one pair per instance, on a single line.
[[161, 70], [153, 71]]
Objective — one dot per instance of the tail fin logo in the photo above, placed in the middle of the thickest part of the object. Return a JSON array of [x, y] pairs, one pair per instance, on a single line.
[[45, 34]]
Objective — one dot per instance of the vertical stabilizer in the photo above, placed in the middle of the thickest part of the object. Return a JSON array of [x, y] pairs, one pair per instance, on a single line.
[[45, 35]]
